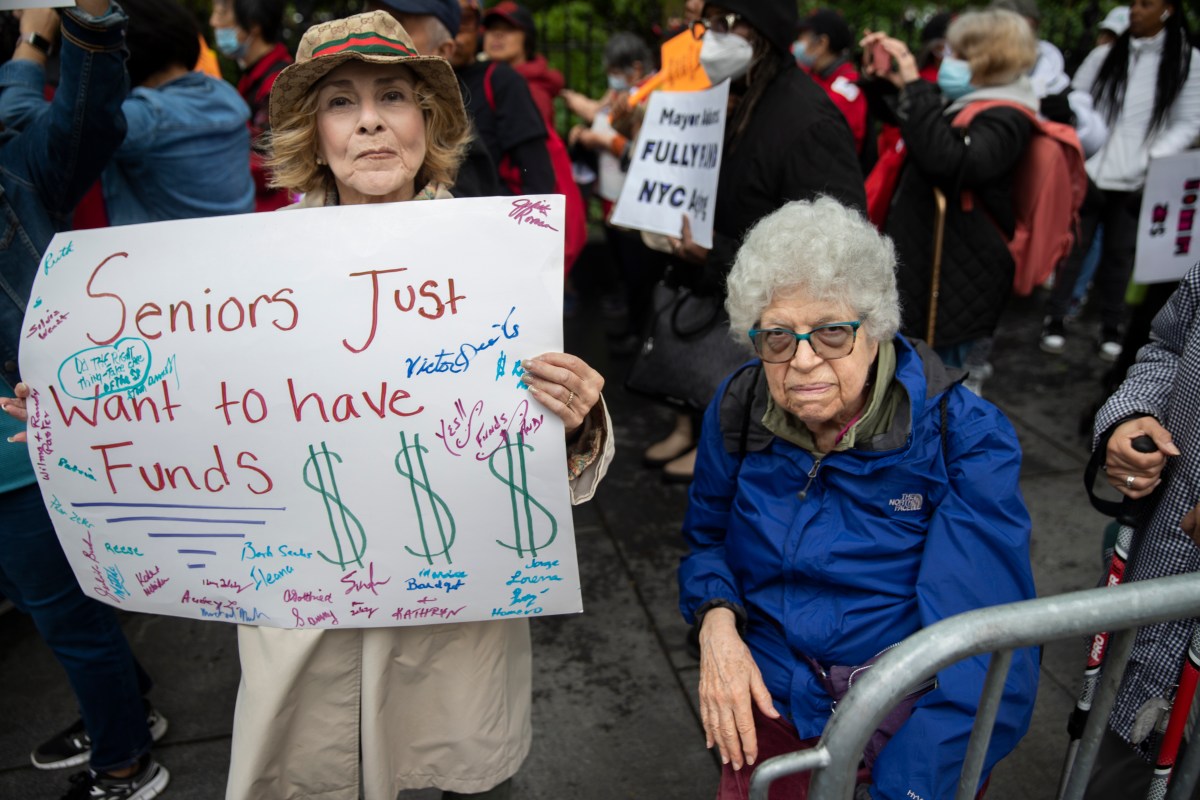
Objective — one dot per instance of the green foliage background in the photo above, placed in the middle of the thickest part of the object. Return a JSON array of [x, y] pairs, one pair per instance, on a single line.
[[572, 32]]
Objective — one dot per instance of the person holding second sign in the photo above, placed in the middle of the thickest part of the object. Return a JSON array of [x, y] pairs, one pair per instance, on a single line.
[[784, 140], [362, 118]]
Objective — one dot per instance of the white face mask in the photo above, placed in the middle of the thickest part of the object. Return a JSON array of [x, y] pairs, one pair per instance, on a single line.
[[725, 55]]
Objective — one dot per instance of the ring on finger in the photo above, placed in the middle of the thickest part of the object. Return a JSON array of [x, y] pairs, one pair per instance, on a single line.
[[1129, 479], [570, 398]]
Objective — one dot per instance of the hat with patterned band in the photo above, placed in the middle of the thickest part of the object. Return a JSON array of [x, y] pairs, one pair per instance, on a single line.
[[376, 38]]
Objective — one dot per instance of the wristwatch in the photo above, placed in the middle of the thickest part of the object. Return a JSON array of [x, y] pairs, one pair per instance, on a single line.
[[38, 42]]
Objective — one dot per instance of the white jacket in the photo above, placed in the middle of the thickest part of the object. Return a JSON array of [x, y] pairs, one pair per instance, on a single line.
[[1120, 165]]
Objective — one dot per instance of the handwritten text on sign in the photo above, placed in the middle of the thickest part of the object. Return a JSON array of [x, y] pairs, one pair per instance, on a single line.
[[676, 162], [1166, 247], [313, 418]]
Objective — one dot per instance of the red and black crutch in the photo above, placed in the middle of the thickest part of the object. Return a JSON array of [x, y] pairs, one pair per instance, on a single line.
[[1127, 514]]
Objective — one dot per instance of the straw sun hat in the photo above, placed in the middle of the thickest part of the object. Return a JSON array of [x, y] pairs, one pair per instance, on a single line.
[[376, 38]]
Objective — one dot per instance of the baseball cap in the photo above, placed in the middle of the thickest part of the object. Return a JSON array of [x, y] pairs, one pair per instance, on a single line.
[[516, 15], [1117, 20], [447, 12]]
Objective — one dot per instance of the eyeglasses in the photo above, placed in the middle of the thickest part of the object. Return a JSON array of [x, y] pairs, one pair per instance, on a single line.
[[832, 341], [722, 23]]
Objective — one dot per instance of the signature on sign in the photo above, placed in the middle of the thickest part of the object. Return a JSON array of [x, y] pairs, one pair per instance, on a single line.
[[530, 212]]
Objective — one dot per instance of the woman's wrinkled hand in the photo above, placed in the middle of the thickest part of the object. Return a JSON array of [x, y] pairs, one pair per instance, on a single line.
[[730, 683], [1123, 463], [15, 408], [565, 384]]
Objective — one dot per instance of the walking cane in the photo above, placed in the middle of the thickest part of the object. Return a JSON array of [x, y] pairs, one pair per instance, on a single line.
[[1127, 517], [939, 231], [1169, 749]]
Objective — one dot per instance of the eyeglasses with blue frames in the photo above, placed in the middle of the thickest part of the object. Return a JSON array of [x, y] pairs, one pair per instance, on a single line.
[[721, 23], [830, 342]]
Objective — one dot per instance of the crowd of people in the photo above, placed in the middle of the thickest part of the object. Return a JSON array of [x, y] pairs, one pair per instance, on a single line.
[[849, 484]]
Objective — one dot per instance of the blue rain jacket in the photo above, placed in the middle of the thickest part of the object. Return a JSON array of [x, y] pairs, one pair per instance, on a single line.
[[892, 535]]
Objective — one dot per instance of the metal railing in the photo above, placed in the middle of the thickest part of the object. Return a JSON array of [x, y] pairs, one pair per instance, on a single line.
[[997, 630]]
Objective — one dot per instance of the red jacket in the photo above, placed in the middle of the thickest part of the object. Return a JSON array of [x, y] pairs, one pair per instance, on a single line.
[[255, 89], [840, 82], [544, 84]]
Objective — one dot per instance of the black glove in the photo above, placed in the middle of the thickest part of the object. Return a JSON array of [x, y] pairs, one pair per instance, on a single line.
[[1055, 107]]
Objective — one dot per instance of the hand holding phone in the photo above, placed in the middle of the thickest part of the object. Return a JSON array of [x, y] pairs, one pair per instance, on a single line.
[[881, 59]]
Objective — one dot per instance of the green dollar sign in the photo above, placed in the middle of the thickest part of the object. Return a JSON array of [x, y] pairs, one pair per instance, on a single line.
[[436, 503], [321, 464], [521, 498]]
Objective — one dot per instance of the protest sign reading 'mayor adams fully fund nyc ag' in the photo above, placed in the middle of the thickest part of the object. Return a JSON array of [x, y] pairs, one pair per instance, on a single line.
[[675, 165], [307, 419]]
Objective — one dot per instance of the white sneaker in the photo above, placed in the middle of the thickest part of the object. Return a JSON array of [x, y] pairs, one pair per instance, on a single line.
[[1053, 343]]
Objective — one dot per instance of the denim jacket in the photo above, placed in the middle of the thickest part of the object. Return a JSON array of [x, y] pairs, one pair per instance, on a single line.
[[47, 167], [187, 154]]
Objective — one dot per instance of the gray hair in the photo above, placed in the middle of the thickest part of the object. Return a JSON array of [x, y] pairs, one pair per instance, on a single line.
[[824, 250]]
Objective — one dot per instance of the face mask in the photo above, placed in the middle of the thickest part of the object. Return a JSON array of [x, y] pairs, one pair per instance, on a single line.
[[954, 77], [725, 55], [617, 83], [801, 54], [228, 44]]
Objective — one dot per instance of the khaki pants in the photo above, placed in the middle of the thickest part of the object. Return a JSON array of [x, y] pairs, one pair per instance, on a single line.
[[444, 706]]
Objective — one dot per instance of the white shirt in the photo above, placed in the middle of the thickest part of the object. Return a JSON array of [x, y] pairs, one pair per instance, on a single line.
[[1120, 165]]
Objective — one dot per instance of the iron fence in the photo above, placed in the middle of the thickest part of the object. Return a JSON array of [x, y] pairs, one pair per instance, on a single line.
[[998, 630]]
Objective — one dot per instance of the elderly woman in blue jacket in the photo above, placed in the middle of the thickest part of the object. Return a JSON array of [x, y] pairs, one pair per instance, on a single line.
[[849, 491]]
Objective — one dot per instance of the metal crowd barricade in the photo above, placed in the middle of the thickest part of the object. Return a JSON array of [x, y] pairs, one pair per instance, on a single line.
[[997, 630]]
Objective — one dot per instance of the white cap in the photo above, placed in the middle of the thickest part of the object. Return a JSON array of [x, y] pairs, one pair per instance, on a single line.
[[1117, 20]]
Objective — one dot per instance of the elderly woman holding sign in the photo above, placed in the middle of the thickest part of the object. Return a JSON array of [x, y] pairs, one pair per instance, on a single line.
[[848, 492], [362, 118]]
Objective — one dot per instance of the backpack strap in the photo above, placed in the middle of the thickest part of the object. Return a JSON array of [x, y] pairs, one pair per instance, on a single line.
[[487, 86], [741, 406]]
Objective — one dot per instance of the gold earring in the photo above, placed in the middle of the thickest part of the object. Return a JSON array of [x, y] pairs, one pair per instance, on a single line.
[[320, 161]]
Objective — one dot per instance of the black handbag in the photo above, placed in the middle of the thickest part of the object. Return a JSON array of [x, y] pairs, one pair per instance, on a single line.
[[687, 351]]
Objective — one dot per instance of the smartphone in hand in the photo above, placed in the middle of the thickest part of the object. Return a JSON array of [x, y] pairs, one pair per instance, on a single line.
[[881, 59]]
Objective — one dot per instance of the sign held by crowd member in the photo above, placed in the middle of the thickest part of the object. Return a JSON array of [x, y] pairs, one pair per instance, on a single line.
[[1167, 243], [681, 70], [675, 165], [310, 419]]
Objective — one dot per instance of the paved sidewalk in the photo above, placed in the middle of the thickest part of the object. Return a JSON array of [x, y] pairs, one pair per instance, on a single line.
[[614, 688]]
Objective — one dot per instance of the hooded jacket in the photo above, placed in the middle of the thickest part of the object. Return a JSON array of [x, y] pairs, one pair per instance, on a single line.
[[545, 84], [919, 522], [977, 269]]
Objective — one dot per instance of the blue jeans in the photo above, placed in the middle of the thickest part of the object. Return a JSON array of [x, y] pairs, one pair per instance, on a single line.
[[83, 633]]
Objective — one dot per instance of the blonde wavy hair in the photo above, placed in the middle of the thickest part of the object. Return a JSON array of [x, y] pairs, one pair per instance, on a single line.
[[292, 142], [999, 45]]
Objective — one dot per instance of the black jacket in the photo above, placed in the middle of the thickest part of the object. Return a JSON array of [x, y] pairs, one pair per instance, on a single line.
[[796, 146], [977, 269]]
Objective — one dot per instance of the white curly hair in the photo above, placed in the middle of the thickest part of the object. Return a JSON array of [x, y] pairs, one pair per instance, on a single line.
[[820, 249]]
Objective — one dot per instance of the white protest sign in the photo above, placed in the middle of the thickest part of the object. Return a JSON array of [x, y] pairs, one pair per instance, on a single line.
[[17, 5], [1166, 245], [675, 165], [312, 418]]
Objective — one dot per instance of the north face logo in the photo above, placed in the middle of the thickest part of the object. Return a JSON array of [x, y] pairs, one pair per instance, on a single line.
[[907, 502]]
